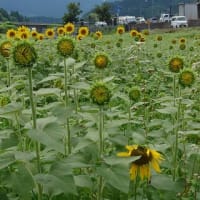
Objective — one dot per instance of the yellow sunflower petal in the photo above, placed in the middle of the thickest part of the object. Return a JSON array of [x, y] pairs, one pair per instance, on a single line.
[[155, 165], [123, 154], [133, 171], [131, 147]]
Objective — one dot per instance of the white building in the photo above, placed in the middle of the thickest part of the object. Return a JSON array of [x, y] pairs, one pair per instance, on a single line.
[[190, 10]]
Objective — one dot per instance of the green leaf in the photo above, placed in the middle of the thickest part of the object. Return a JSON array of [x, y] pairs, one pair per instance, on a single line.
[[54, 185], [48, 92], [50, 142], [168, 110], [163, 182], [6, 159], [20, 176], [83, 181], [117, 176], [10, 108], [81, 85]]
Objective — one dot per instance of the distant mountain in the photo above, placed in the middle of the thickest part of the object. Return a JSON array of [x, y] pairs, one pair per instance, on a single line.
[[47, 8]]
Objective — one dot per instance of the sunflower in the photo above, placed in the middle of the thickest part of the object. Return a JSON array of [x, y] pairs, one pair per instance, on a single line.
[[61, 31], [173, 41], [134, 94], [23, 35], [186, 77], [69, 28], [101, 60], [159, 38], [40, 36], [182, 46], [34, 34], [24, 54], [120, 30], [100, 94], [176, 64], [23, 29], [5, 48], [182, 40], [11, 34], [65, 46], [84, 31], [133, 33], [4, 100], [49, 33], [98, 34], [79, 37], [141, 167]]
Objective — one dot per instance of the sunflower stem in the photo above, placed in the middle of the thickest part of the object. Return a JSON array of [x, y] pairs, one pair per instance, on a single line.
[[67, 141], [101, 145], [8, 77], [34, 119]]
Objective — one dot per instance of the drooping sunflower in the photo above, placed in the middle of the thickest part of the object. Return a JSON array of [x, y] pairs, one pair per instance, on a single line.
[[100, 94], [65, 47], [49, 33], [120, 30], [84, 31], [61, 31], [186, 77], [101, 60], [133, 33], [98, 35], [79, 37], [176, 64], [69, 28], [141, 167], [11, 34], [5, 48], [24, 54]]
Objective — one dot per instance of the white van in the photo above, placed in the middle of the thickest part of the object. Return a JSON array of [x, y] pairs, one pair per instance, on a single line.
[[179, 21]]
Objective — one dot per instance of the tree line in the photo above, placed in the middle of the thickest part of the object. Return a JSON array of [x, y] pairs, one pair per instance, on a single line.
[[13, 16]]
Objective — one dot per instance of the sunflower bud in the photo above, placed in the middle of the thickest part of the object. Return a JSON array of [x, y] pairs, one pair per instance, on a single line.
[[65, 47], [24, 54], [100, 94], [176, 64], [101, 61], [134, 94], [186, 78], [5, 49]]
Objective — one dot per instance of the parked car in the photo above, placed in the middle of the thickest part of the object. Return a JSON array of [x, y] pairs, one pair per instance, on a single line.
[[100, 24], [179, 21], [154, 20], [140, 20]]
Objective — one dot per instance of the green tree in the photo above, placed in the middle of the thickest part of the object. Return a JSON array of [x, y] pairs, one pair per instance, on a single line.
[[15, 16], [103, 12], [73, 12], [4, 16]]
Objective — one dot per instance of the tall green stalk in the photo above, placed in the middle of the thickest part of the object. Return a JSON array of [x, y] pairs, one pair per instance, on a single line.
[[101, 149], [34, 118], [8, 76], [68, 136]]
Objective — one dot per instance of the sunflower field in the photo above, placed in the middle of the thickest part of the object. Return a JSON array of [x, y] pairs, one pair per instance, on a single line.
[[99, 116]]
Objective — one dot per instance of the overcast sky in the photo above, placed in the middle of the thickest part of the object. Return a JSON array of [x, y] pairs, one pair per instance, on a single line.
[[48, 8]]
